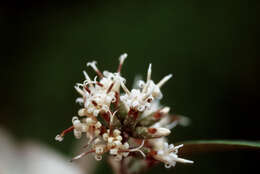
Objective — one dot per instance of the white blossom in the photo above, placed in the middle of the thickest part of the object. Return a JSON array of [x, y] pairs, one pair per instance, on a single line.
[[142, 98], [123, 124], [168, 155]]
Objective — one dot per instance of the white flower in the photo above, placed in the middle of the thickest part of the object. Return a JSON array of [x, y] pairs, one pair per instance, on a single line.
[[91, 126], [168, 154], [141, 99], [114, 143], [137, 99], [113, 122], [98, 95]]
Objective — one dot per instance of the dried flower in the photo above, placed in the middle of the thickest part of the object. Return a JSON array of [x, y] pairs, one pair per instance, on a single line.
[[127, 124]]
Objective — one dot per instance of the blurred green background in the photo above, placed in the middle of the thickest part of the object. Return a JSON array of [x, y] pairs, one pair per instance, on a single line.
[[210, 47]]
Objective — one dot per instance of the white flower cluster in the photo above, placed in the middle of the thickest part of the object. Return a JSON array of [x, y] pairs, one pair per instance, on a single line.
[[91, 126], [142, 98], [97, 96], [113, 122], [114, 143]]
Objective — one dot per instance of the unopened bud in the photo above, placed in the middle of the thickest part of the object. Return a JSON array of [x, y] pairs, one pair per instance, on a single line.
[[154, 117], [147, 133], [160, 132]]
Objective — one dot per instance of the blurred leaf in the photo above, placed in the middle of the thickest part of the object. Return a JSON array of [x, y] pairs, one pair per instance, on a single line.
[[202, 146]]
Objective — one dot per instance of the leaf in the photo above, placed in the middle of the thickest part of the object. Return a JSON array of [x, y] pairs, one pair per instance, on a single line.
[[202, 146]]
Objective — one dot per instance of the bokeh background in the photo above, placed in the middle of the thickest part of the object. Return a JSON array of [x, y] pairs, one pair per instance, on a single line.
[[210, 47]]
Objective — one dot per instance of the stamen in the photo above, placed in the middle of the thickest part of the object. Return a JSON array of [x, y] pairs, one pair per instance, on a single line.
[[87, 89], [142, 153], [149, 73], [138, 149], [95, 79], [110, 88], [94, 66], [63, 133], [99, 84], [125, 88], [111, 122], [87, 77], [164, 80], [181, 160], [81, 155], [145, 87], [89, 142], [145, 90], [80, 91], [90, 83], [177, 147], [121, 62], [112, 117]]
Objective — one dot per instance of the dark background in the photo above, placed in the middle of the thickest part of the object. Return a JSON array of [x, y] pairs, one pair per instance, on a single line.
[[211, 47]]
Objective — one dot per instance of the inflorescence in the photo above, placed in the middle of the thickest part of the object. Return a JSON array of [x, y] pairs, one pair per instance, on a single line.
[[129, 124]]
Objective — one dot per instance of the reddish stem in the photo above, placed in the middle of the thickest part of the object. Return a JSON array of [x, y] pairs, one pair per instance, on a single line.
[[67, 131]]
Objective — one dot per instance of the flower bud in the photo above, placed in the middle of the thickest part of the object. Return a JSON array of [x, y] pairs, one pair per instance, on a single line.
[[147, 133]]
